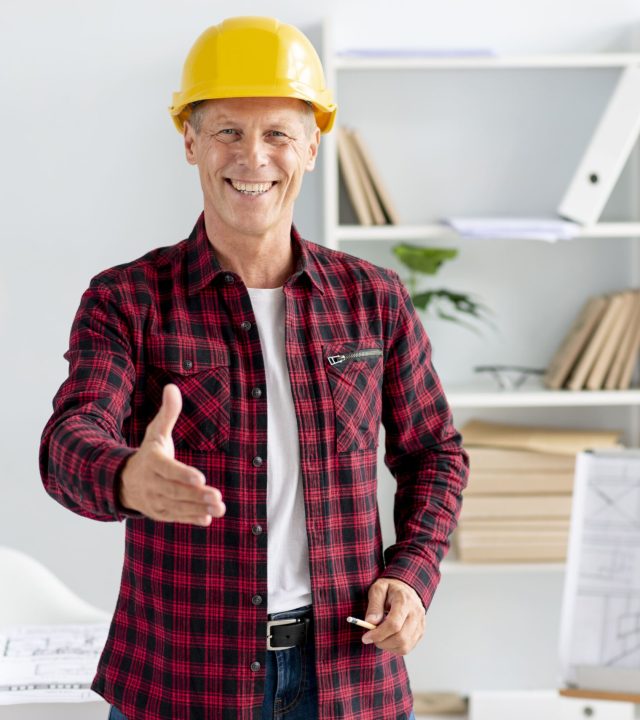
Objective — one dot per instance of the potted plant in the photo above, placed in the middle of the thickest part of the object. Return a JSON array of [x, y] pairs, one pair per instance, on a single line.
[[445, 304]]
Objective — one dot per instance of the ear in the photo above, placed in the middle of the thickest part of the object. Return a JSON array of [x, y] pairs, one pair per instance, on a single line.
[[314, 145], [190, 143]]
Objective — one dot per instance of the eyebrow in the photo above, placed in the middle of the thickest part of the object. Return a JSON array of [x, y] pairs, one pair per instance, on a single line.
[[228, 120]]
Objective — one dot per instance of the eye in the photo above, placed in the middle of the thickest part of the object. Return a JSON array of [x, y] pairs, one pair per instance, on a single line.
[[227, 134]]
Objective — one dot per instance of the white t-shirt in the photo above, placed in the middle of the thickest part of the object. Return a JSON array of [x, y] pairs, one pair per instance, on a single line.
[[288, 582]]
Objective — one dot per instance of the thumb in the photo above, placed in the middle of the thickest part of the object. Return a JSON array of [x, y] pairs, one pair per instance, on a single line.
[[163, 423], [377, 597]]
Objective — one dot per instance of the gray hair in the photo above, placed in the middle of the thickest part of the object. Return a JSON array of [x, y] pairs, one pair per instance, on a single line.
[[198, 109]]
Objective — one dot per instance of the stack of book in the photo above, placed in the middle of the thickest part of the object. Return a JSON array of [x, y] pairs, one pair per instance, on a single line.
[[369, 198], [517, 504], [601, 349]]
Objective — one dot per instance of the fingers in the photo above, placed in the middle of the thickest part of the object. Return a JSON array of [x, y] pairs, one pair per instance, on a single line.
[[403, 627], [170, 469], [161, 427], [377, 597], [185, 512], [175, 502]]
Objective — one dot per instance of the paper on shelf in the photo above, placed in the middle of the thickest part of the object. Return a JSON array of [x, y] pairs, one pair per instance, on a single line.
[[548, 230], [50, 663]]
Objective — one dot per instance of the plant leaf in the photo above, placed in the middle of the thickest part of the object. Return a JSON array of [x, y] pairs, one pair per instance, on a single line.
[[426, 260]]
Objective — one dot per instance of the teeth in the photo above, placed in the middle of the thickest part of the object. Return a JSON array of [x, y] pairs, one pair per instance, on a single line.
[[251, 188]]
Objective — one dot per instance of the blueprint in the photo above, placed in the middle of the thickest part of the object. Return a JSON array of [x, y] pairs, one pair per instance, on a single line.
[[600, 628], [49, 663]]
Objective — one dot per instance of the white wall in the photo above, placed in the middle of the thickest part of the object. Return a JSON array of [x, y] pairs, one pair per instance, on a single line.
[[93, 174]]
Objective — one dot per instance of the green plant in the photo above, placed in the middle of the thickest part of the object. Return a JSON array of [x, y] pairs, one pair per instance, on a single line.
[[447, 305]]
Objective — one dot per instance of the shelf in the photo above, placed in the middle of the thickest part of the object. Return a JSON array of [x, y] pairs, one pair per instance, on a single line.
[[454, 567], [480, 62], [531, 395], [367, 233]]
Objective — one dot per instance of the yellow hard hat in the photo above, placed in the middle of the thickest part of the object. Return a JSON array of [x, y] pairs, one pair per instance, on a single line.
[[253, 57]]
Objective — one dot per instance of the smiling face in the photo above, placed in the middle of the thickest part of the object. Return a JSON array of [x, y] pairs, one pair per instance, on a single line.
[[252, 154]]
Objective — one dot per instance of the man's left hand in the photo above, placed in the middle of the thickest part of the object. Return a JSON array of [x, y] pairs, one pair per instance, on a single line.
[[401, 629]]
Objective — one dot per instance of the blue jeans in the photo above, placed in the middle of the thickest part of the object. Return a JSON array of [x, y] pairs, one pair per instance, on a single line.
[[291, 691]]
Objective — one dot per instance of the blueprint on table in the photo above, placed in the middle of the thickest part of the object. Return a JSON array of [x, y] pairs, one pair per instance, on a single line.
[[600, 627], [49, 663]]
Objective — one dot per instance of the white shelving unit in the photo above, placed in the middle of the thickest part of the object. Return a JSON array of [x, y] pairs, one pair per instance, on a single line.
[[537, 583]]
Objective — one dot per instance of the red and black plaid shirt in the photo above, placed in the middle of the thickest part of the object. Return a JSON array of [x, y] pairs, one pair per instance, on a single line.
[[187, 640]]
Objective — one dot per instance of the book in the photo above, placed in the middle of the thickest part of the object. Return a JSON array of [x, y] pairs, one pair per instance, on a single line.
[[596, 344], [375, 208], [386, 204], [625, 348], [574, 343], [612, 342], [551, 551], [511, 537], [514, 483], [561, 441], [630, 363], [508, 506], [521, 539], [532, 525], [351, 179], [503, 459]]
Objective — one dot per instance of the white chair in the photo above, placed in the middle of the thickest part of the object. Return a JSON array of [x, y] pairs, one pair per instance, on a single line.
[[32, 594]]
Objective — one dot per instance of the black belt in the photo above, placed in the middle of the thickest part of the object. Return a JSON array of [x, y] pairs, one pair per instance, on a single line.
[[287, 633]]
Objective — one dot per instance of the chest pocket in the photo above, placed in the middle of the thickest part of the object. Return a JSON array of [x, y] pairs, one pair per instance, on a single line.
[[200, 368], [354, 371]]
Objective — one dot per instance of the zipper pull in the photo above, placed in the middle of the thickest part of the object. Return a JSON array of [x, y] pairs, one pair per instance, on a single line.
[[335, 359]]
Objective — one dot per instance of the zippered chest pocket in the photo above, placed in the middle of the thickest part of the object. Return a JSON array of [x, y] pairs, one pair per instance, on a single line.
[[200, 369], [354, 372]]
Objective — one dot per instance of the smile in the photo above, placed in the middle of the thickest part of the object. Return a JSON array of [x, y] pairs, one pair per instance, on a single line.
[[248, 188]]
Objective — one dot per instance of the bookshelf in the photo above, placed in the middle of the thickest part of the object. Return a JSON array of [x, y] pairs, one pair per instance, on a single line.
[[477, 612], [474, 396], [513, 62], [358, 233]]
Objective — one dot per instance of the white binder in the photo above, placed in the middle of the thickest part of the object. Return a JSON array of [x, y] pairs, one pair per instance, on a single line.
[[607, 152]]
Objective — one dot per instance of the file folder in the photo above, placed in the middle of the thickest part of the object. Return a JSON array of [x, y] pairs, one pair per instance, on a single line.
[[607, 152]]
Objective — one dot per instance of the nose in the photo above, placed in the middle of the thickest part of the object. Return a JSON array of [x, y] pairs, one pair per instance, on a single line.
[[252, 152]]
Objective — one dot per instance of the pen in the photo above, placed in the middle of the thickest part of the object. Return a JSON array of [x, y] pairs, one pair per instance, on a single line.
[[361, 623]]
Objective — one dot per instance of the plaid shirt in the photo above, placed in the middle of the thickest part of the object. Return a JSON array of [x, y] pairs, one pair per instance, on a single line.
[[187, 640]]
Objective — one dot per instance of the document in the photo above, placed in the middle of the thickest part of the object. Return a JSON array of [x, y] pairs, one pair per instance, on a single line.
[[50, 663], [495, 228], [600, 625]]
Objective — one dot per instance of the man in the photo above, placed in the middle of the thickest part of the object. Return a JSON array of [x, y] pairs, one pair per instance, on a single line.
[[225, 397]]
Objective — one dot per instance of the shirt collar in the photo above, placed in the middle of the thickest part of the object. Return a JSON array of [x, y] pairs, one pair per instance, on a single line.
[[203, 267]]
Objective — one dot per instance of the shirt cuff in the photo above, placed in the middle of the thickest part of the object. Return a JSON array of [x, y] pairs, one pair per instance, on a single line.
[[107, 472]]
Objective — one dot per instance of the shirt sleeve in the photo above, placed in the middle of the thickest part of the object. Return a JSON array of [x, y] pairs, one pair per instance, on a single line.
[[83, 450], [423, 452]]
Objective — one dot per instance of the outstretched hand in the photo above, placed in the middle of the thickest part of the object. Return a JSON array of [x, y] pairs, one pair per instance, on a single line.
[[157, 485]]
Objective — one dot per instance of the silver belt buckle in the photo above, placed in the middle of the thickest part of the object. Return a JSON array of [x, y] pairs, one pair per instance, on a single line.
[[270, 624]]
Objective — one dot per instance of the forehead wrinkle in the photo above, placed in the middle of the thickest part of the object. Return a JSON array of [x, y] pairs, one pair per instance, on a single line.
[[261, 119]]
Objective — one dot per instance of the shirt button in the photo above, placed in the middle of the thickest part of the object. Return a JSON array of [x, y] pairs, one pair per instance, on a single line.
[[255, 666], [257, 529], [257, 599], [187, 364], [229, 279], [257, 461], [245, 325], [256, 392]]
